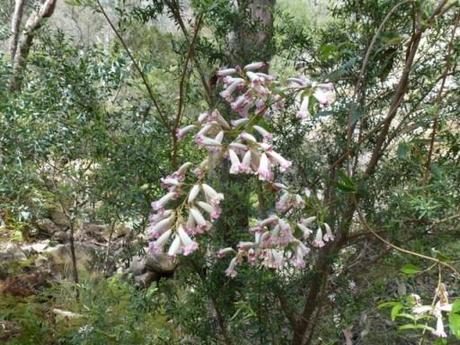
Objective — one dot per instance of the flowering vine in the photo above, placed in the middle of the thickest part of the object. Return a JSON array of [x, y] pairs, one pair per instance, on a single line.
[[190, 206]]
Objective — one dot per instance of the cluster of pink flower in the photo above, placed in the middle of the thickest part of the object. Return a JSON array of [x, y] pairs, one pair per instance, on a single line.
[[275, 244], [323, 93], [247, 145], [187, 219]]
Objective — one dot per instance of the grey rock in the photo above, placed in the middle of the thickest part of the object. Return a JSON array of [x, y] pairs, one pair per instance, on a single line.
[[58, 217], [161, 263], [137, 266], [47, 225], [11, 252], [36, 247], [61, 237], [144, 280]]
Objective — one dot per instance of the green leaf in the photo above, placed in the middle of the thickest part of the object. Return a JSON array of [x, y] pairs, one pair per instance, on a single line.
[[407, 316], [454, 319], [403, 150], [414, 326], [410, 269], [395, 311], [345, 183], [387, 304]]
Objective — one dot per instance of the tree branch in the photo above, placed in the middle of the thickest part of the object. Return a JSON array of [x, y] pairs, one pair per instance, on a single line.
[[22, 49], [402, 250], [162, 117]]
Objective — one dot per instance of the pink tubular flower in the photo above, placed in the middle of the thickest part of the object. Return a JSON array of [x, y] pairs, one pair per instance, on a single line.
[[300, 253], [266, 135], [216, 116], [308, 221], [219, 137], [169, 182], [160, 203], [157, 246], [175, 246], [223, 252], [214, 211], [197, 216], [201, 140], [306, 231], [272, 219], [299, 83], [303, 112], [155, 230], [283, 163], [189, 246], [194, 191], [230, 271], [190, 225], [264, 170], [234, 84], [439, 332], [211, 195], [202, 224], [242, 104], [203, 117], [204, 130], [182, 132], [225, 72], [273, 259], [318, 241], [238, 147], [180, 173], [259, 88], [325, 94], [246, 163], [255, 66], [236, 123], [248, 137], [328, 236], [236, 164], [246, 245], [283, 204], [159, 215]]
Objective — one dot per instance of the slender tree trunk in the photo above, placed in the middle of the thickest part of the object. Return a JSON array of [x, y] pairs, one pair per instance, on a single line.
[[34, 22], [72, 253], [15, 25]]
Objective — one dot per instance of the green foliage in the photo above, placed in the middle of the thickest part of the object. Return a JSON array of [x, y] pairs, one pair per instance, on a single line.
[[83, 135], [108, 312]]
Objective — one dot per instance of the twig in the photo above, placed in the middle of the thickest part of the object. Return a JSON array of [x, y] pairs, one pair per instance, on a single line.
[[364, 65], [182, 86], [439, 98], [402, 250], [136, 66], [174, 8]]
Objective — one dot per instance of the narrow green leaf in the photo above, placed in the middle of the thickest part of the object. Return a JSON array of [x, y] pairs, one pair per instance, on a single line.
[[410, 269]]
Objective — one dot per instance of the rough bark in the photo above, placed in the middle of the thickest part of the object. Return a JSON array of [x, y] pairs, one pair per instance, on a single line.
[[252, 40]]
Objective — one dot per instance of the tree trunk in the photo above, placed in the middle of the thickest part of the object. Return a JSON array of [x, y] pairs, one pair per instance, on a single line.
[[24, 44], [15, 25]]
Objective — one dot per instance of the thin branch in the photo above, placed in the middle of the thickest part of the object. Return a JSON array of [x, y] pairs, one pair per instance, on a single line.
[[175, 10], [402, 250], [439, 96], [182, 87], [364, 65], [136, 66]]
